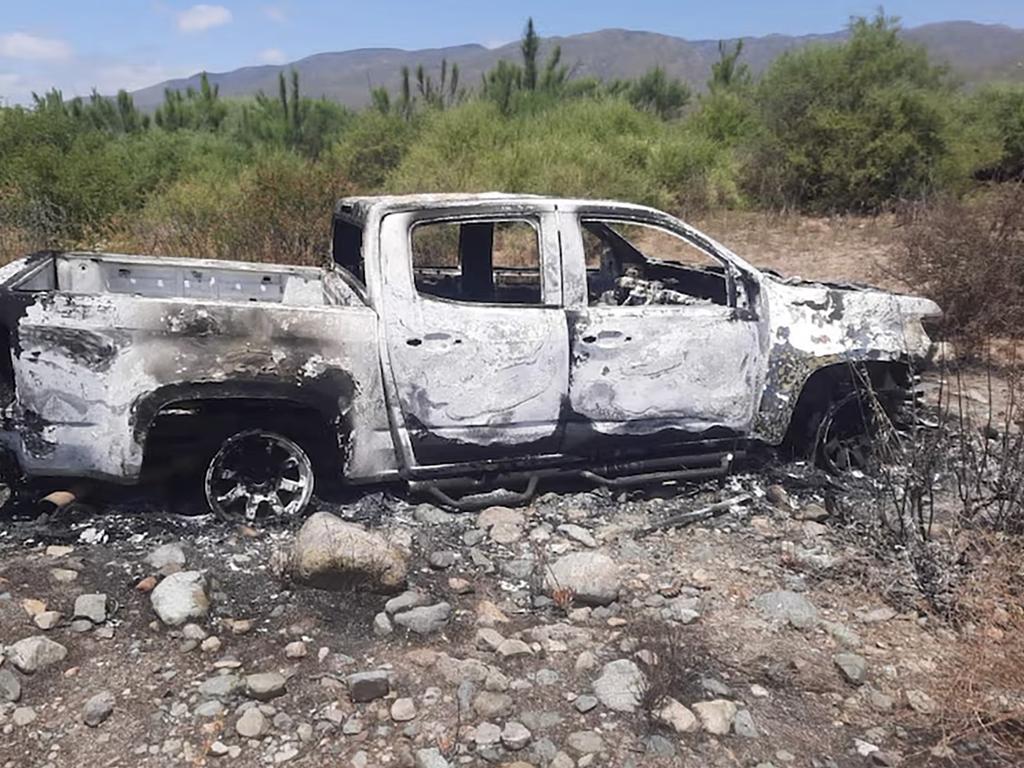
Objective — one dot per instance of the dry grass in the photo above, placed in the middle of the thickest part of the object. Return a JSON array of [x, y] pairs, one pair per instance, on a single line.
[[840, 248]]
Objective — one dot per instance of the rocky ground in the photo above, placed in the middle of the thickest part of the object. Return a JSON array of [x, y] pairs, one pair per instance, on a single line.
[[562, 634]]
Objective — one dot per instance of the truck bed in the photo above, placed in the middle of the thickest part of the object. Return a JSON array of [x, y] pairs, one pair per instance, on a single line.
[[168, 278]]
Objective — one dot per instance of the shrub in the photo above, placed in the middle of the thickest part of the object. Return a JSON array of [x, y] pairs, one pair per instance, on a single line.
[[278, 209], [851, 127], [969, 256]]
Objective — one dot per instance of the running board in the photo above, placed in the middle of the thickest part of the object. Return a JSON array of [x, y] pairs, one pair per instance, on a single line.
[[627, 475]]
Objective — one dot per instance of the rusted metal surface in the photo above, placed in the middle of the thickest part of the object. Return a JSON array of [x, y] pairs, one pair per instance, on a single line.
[[413, 386]]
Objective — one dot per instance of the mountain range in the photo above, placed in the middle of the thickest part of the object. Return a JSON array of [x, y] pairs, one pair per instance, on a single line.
[[975, 52]]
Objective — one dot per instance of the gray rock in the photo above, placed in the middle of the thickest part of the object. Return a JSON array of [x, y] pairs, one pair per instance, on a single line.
[[620, 686], [743, 725], [425, 619], [430, 758], [843, 635], [180, 597], [408, 600], [492, 704], [403, 710], [515, 736], [252, 724], [592, 578], [585, 742], [783, 605], [330, 553], [264, 686], [167, 558], [47, 620], [92, 607], [487, 735], [716, 716], [80, 625], [812, 511], [440, 559], [428, 514], [585, 703], [512, 648], [853, 666], [98, 708], [382, 625], [677, 717], [10, 685], [367, 686], [34, 653], [210, 709], [658, 746], [578, 534], [23, 716], [220, 687]]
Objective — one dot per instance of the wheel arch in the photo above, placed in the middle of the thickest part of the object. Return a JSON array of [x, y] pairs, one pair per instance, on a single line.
[[319, 423]]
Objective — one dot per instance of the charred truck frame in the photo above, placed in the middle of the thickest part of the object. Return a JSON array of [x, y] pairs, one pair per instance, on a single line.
[[453, 342]]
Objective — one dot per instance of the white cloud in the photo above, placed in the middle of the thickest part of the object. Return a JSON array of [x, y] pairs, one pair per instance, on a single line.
[[19, 45], [273, 56], [275, 13], [200, 18]]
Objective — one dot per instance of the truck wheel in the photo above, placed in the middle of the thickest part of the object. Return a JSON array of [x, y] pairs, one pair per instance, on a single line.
[[259, 475]]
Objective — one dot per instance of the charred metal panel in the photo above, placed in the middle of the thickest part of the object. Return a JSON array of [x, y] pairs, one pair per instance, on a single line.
[[487, 376], [814, 325], [86, 363], [637, 370]]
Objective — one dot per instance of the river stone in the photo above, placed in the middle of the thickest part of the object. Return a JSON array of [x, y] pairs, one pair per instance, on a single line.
[[620, 686], [35, 653], [592, 578], [330, 553], [180, 598]]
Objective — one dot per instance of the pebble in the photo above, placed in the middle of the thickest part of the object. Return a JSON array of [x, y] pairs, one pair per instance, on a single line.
[[23, 716], [296, 650], [425, 619], [403, 710], [515, 736], [98, 708], [252, 724], [367, 686], [853, 666], [264, 686]]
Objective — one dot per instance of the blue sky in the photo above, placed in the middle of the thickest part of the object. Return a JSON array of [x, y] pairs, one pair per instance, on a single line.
[[80, 44]]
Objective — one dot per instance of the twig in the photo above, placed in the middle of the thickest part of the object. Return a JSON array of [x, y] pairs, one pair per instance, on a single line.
[[696, 515]]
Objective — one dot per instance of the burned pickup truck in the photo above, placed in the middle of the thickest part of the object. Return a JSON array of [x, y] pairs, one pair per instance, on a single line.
[[458, 344]]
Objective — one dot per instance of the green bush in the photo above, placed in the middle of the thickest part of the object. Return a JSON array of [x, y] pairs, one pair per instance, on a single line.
[[854, 126], [588, 147]]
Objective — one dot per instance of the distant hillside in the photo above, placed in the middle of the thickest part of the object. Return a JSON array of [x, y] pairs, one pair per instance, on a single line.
[[976, 52]]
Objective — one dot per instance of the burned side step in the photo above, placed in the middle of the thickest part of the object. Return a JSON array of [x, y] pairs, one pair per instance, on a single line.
[[468, 493]]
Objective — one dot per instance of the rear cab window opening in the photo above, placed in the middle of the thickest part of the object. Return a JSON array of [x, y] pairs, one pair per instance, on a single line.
[[478, 260]]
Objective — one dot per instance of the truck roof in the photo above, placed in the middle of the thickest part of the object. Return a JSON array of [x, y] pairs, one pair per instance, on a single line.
[[360, 206]]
